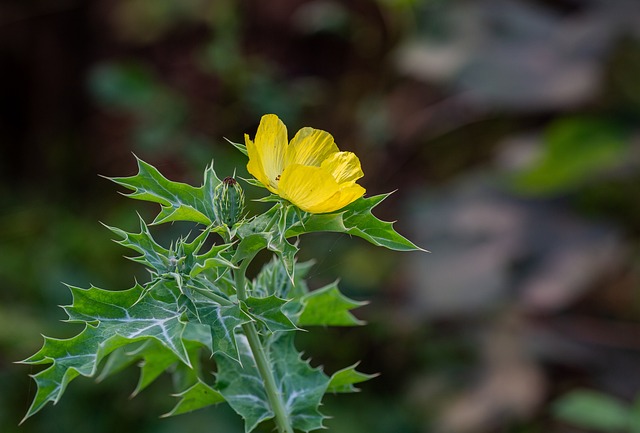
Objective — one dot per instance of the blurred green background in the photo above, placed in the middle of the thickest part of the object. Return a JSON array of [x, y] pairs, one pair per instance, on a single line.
[[510, 130]]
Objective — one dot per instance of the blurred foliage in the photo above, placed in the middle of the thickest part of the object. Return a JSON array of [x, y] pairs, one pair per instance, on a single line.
[[597, 411], [160, 113], [510, 129], [577, 150]]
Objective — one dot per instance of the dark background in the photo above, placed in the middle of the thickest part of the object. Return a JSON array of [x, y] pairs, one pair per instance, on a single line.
[[508, 128]]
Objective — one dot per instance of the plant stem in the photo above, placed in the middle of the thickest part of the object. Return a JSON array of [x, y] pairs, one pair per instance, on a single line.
[[262, 362], [209, 294], [275, 400], [274, 218], [240, 278]]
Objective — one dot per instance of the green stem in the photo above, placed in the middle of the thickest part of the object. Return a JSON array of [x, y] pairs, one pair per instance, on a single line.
[[275, 399], [214, 297], [240, 278], [274, 218], [264, 368]]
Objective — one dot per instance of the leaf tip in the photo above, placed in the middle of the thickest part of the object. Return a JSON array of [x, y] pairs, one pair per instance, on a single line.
[[23, 419]]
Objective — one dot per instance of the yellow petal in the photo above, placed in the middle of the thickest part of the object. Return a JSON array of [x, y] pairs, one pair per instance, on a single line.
[[343, 166], [306, 186], [268, 151], [310, 147], [340, 199], [254, 166]]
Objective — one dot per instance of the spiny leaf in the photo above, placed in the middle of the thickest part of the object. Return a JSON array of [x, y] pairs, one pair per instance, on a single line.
[[192, 248], [268, 231], [301, 386], [241, 386], [255, 242], [273, 279], [279, 243], [327, 306], [257, 183], [222, 321], [343, 380], [155, 360], [210, 260], [183, 257], [250, 245], [153, 255], [69, 358], [287, 253], [197, 396], [357, 219], [179, 201], [117, 361], [113, 320], [361, 222], [241, 147], [268, 311], [152, 357], [127, 314]]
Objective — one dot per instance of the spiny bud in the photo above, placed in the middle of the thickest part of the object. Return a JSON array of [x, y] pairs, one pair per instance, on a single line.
[[228, 202]]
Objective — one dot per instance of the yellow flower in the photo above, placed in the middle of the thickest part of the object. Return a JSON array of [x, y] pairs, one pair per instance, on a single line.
[[309, 172]]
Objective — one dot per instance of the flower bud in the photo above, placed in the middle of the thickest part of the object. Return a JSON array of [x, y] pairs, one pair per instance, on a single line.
[[228, 202]]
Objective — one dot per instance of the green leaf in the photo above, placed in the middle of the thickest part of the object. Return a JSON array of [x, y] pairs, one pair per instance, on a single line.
[[279, 244], [241, 386], [342, 381], [250, 245], [593, 410], [113, 320], [71, 357], [198, 396], [273, 279], [357, 219], [223, 320], [155, 360], [130, 315], [179, 201], [210, 260], [189, 250], [327, 306], [218, 281], [182, 258], [152, 357], [361, 222], [117, 361], [287, 253], [256, 242], [268, 231], [300, 385], [153, 255], [268, 311], [241, 147], [258, 184]]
